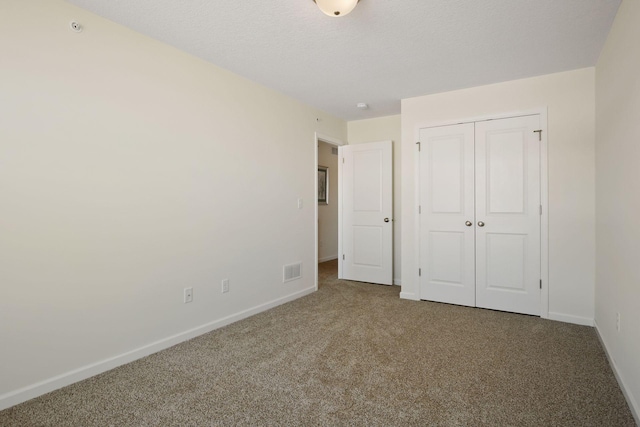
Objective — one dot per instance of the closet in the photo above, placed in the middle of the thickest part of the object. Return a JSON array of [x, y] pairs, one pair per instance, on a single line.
[[480, 214]]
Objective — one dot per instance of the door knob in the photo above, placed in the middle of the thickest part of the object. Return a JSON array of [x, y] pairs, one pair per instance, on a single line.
[[480, 224], [468, 223], [386, 220]]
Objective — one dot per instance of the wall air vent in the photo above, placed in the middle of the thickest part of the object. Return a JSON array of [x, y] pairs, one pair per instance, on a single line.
[[292, 272], [334, 151]]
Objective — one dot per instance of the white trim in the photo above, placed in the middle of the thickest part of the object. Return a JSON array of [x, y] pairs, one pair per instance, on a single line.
[[416, 218], [633, 405], [340, 192], [397, 282], [333, 141], [544, 220], [328, 258], [544, 199], [410, 296], [329, 140], [316, 253], [12, 398], [568, 318]]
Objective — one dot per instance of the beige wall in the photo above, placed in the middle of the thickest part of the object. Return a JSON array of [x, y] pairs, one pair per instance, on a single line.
[[385, 129], [570, 100], [328, 214], [618, 197], [129, 171]]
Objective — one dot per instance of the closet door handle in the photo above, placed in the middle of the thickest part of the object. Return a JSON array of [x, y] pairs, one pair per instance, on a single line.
[[480, 224], [468, 223]]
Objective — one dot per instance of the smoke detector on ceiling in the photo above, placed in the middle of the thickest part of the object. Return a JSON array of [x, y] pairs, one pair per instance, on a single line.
[[75, 26], [362, 105]]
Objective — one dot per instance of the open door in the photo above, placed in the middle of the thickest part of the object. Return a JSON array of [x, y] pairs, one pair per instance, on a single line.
[[365, 212]]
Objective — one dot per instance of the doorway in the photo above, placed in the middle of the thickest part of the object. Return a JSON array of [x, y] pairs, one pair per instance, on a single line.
[[363, 197], [326, 204]]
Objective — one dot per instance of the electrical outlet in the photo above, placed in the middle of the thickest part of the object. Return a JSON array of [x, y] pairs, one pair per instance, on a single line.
[[618, 322], [225, 286], [188, 295]]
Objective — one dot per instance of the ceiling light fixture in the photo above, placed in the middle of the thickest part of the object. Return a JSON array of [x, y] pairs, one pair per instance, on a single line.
[[336, 7]]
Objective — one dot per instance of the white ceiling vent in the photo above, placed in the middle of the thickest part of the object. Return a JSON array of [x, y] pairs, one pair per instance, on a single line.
[[292, 272]]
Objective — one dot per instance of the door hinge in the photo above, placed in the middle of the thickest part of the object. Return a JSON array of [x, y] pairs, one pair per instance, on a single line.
[[418, 143], [343, 257], [343, 160], [539, 132], [419, 209], [540, 209], [420, 272], [540, 283]]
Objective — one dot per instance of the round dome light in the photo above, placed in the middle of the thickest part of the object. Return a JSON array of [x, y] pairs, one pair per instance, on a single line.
[[336, 7]]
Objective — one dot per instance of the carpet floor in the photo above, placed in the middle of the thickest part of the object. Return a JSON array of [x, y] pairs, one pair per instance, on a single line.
[[354, 354]]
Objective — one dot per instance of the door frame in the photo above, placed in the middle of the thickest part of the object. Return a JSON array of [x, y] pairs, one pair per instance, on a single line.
[[544, 194], [318, 137]]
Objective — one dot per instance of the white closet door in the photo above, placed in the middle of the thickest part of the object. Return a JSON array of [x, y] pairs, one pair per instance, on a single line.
[[508, 214], [447, 214]]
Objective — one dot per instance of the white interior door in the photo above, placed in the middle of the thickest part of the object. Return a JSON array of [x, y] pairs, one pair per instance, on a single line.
[[366, 207], [480, 214], [508, 215], [447, 240]]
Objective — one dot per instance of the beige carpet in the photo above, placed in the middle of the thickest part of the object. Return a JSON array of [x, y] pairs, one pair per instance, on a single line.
[[355, 354]]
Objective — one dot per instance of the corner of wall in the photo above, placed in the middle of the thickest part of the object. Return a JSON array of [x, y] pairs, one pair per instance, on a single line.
[[633, 404]]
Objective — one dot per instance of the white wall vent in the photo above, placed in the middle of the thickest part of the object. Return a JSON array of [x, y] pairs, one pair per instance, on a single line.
[[292, 272]]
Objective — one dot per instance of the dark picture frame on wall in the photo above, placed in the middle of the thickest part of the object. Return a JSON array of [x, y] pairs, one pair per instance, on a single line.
[[323, 185]]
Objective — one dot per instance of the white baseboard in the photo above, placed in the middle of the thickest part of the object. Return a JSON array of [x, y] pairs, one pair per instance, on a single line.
[[397, 282], [328, 258], [409, 295], [567, 318], [13, 398], [633, 404]]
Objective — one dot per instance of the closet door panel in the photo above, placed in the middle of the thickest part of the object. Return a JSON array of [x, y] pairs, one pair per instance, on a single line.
[[507, 186], [446, 204]]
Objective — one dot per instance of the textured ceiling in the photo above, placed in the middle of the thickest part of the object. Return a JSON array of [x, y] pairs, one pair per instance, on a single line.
[[382, 52]]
